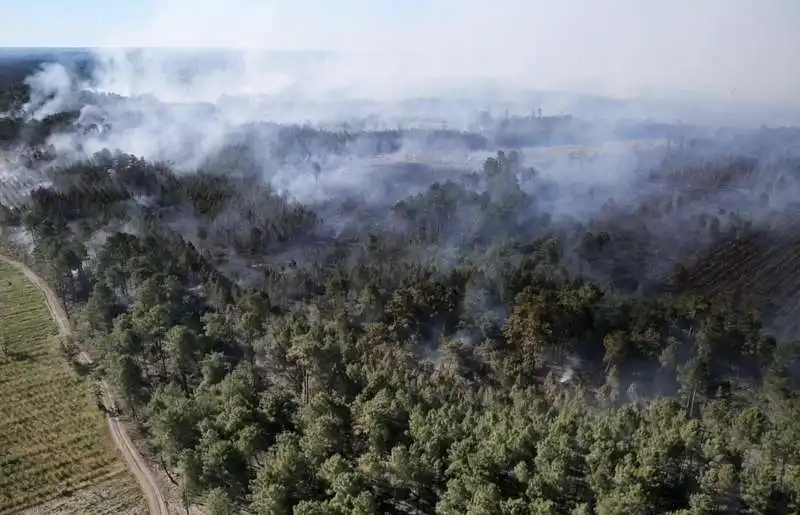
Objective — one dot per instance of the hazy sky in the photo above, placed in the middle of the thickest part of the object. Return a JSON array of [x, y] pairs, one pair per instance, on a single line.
[[748, 49]]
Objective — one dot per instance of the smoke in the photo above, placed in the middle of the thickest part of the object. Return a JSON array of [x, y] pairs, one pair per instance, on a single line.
[[195, 86], [661, 47], [572, 364], [189, 107], [52, 91], [178, 98], [162, 87]]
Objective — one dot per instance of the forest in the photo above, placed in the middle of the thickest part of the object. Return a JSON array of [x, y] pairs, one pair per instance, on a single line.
[[459, 350]]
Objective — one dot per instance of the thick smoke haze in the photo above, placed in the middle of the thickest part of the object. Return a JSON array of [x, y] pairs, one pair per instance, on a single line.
[[160, 87], [188, 105], [304, 147], [733, 51]]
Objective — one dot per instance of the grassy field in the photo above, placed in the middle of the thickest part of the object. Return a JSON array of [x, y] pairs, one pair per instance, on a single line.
[[56, 455]]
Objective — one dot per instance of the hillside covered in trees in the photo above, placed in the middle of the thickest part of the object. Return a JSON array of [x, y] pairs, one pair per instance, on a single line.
[[488, 340]]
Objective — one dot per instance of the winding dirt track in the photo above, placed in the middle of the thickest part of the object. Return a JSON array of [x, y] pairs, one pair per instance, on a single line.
[[155, 500]]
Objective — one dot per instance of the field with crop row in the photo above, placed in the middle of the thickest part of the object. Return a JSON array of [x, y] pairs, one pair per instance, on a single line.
[[760, 271], [56, 455]]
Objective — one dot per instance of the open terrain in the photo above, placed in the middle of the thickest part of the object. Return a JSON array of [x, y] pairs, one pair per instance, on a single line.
[[55, 452]]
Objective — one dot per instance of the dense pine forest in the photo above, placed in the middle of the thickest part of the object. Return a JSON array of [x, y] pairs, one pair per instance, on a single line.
[[463, 349]]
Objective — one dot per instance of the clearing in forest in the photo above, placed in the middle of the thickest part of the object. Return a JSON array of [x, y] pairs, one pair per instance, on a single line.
[[56, 455]]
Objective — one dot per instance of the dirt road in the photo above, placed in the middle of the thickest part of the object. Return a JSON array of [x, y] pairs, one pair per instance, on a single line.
[[137, 465]]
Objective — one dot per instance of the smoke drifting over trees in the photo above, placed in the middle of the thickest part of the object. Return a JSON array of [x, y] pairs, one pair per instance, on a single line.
[[456, 303]]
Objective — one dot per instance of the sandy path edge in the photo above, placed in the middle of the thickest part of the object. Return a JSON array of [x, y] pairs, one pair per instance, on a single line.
[[147, 482]]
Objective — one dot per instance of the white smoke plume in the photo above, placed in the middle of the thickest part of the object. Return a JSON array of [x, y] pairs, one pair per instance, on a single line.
[[625, 48], [178, 98], [572, 364], [192, 78]]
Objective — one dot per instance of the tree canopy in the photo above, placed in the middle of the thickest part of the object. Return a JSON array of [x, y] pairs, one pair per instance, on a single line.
[[465, 353]]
